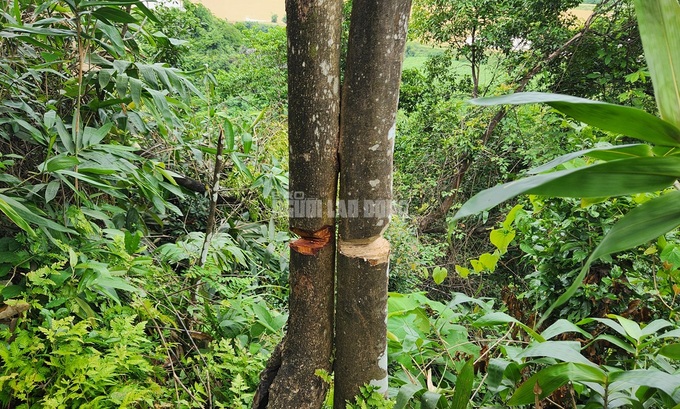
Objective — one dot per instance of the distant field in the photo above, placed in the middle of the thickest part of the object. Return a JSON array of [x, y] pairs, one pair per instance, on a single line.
[[249, 10]]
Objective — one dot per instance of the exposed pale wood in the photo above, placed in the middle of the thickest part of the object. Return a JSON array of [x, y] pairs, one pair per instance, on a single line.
[[368, 122]]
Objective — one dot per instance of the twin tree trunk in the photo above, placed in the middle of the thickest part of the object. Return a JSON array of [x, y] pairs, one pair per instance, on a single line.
[[354, 143]]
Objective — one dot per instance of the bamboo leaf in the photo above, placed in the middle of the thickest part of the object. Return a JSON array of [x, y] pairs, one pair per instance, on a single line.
[[644, 223], [31, 217], [620, 177], [619, 119], [113, 15], [463, 391], [15, 217], [659, 23], [602, 152], [552, 377]]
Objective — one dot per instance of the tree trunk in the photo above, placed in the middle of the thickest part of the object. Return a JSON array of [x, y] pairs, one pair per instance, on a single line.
[[368, 123], [314, 28]]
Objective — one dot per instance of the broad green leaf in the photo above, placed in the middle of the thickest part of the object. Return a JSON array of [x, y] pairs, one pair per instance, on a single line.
[[496, 318], [562, 326], [496, 370], [113, 15], [616, 341], [460, 298], [463, 272], [61, 162], [619, 119], [671, 334], [406, 393], [671, 351], [501, 238], [646, 377], [654, 327], [606, 321], [247, 140], [51, 190], [620, 177], [115, 43], [553, 377], [512, 215], [432, 400], [463, 391], [565, 351], [439, 275], [631, 327], [477, 265], [642, 224], [92, 136], [489, 261], [659, 23]]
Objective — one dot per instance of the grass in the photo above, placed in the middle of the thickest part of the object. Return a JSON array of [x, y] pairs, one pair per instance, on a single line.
[[417, 54]]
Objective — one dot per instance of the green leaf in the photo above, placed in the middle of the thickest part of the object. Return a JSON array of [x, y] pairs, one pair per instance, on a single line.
[[489, 261], [660, 33], [565, 351], [432, 400], [602, 152], [439, 275], [61, 162], [623, 120], [642, 224], [31, 217], [115, 45], [463, 272], [113, 15], [51, 190], [631, 327], [652, 378], [463, 391], [406, 393], [92, 136], [228, 134], [553, 377], [671, 351], [247, 140], [616, 341], [501, 238], [496, 318], [654, 327], [562, 326], [15, 217], [619, 177]]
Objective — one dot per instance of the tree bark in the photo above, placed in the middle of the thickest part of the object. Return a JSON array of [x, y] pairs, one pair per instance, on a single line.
[[314, 28], [368, 124]]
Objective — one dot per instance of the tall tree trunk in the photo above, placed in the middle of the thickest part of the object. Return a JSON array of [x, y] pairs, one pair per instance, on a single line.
[[368, 123], [314, 28]]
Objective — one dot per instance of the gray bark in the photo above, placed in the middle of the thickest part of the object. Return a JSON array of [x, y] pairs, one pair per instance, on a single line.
[[314, 28], [368, 122]]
